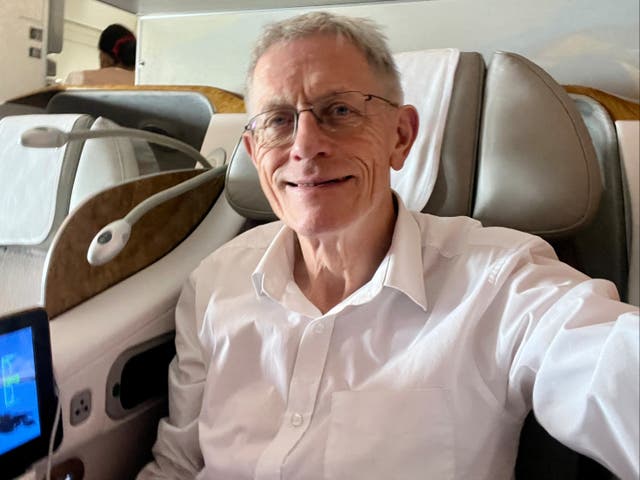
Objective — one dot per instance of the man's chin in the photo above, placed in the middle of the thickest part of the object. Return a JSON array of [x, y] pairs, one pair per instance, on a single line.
[[314, 227]]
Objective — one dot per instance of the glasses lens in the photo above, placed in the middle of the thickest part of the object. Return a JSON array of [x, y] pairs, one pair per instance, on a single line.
[[274, 127], [342, 111]]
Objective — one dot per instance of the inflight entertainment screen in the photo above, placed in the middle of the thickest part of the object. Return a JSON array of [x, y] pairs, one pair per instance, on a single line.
[[19, 416]]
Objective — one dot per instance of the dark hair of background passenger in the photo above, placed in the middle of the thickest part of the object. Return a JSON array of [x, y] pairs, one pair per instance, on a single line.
[[123, 53]]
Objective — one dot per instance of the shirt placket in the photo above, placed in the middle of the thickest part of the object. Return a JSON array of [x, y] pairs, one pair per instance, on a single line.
[[303, 391]]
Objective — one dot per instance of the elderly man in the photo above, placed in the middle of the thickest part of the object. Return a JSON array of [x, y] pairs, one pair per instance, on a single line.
[[356, 339]]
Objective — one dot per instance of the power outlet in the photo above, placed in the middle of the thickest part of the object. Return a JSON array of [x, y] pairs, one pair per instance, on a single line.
[[80, 407]]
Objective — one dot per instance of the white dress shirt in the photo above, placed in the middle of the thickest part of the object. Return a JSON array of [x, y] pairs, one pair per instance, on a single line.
[[425, 372]]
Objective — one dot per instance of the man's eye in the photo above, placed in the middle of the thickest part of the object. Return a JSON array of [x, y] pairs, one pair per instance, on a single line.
[[340, 110], [278, 120]]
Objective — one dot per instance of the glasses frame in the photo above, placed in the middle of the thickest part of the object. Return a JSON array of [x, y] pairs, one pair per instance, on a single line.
[[367, 98]]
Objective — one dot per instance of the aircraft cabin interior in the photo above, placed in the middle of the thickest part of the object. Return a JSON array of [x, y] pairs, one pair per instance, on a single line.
[[111, 195]]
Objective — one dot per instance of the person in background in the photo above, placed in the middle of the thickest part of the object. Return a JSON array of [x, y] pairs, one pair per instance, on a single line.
[[356, 339], [117, 46]]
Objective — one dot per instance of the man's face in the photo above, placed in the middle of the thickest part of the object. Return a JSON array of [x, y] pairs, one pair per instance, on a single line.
[[323, 182]]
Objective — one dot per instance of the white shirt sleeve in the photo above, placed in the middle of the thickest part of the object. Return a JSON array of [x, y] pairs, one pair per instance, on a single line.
[[579, 354], [177, 451]]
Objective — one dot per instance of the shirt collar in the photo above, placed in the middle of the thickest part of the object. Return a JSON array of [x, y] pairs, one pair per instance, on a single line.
[[275, 268], [405, 269], [401, 268]]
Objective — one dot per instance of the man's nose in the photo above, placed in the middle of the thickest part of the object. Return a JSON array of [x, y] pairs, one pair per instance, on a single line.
[[310, 140]]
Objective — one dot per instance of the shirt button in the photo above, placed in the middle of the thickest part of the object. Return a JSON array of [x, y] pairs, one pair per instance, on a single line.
[[319, 328], [296, 420]]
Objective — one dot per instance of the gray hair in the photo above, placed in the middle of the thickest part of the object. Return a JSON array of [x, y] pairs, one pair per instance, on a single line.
[[363, 33]]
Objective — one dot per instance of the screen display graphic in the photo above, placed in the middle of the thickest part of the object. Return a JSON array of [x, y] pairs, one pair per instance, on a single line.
[[19, 415]]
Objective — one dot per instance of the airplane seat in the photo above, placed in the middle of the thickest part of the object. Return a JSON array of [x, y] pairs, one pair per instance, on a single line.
[[112, 324], [517, 151], [607, 232], [548, 165], [180, 113], [39, 187]]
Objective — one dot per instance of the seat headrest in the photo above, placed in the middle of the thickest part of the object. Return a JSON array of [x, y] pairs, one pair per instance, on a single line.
[[38, 187], [242, 187], [537, 167]]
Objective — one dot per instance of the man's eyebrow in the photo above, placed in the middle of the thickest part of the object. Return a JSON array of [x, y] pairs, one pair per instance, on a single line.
[[275, 104]]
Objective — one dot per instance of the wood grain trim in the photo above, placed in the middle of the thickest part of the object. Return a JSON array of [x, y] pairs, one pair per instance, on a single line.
[[70, 279]]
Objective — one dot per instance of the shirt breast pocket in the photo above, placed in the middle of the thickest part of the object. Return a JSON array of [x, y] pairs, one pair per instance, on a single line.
[[390, 435]]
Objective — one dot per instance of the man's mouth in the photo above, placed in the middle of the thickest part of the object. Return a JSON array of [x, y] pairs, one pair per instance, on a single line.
[[319, 184]]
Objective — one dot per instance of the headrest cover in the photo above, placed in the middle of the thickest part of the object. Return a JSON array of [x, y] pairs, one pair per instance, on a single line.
[[537, 168], [427, 81], [104, 162], [35, 184]]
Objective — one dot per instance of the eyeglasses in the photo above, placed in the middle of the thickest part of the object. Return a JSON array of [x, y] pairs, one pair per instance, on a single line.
[[337, 113]]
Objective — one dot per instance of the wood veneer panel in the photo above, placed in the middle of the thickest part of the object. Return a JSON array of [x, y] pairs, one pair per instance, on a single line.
[[71, 279]]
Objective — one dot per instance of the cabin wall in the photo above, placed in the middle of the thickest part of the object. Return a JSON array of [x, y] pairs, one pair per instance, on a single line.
[[586, 42], [22, 57]]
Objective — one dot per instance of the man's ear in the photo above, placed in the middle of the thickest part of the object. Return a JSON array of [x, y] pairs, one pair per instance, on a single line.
[[248, 145], [407, 130]]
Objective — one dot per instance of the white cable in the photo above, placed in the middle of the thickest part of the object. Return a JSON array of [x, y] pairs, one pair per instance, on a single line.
[[153, 201], [52, 438]]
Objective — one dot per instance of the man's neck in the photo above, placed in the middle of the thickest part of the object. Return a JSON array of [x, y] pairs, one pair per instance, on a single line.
[[330, 268]]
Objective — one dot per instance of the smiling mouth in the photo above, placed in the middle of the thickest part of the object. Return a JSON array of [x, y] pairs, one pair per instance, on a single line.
[[319, 184]]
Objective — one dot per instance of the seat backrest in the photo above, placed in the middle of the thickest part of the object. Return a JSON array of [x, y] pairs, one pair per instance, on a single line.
[[548, 164], [607, 232], [539, 171]]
